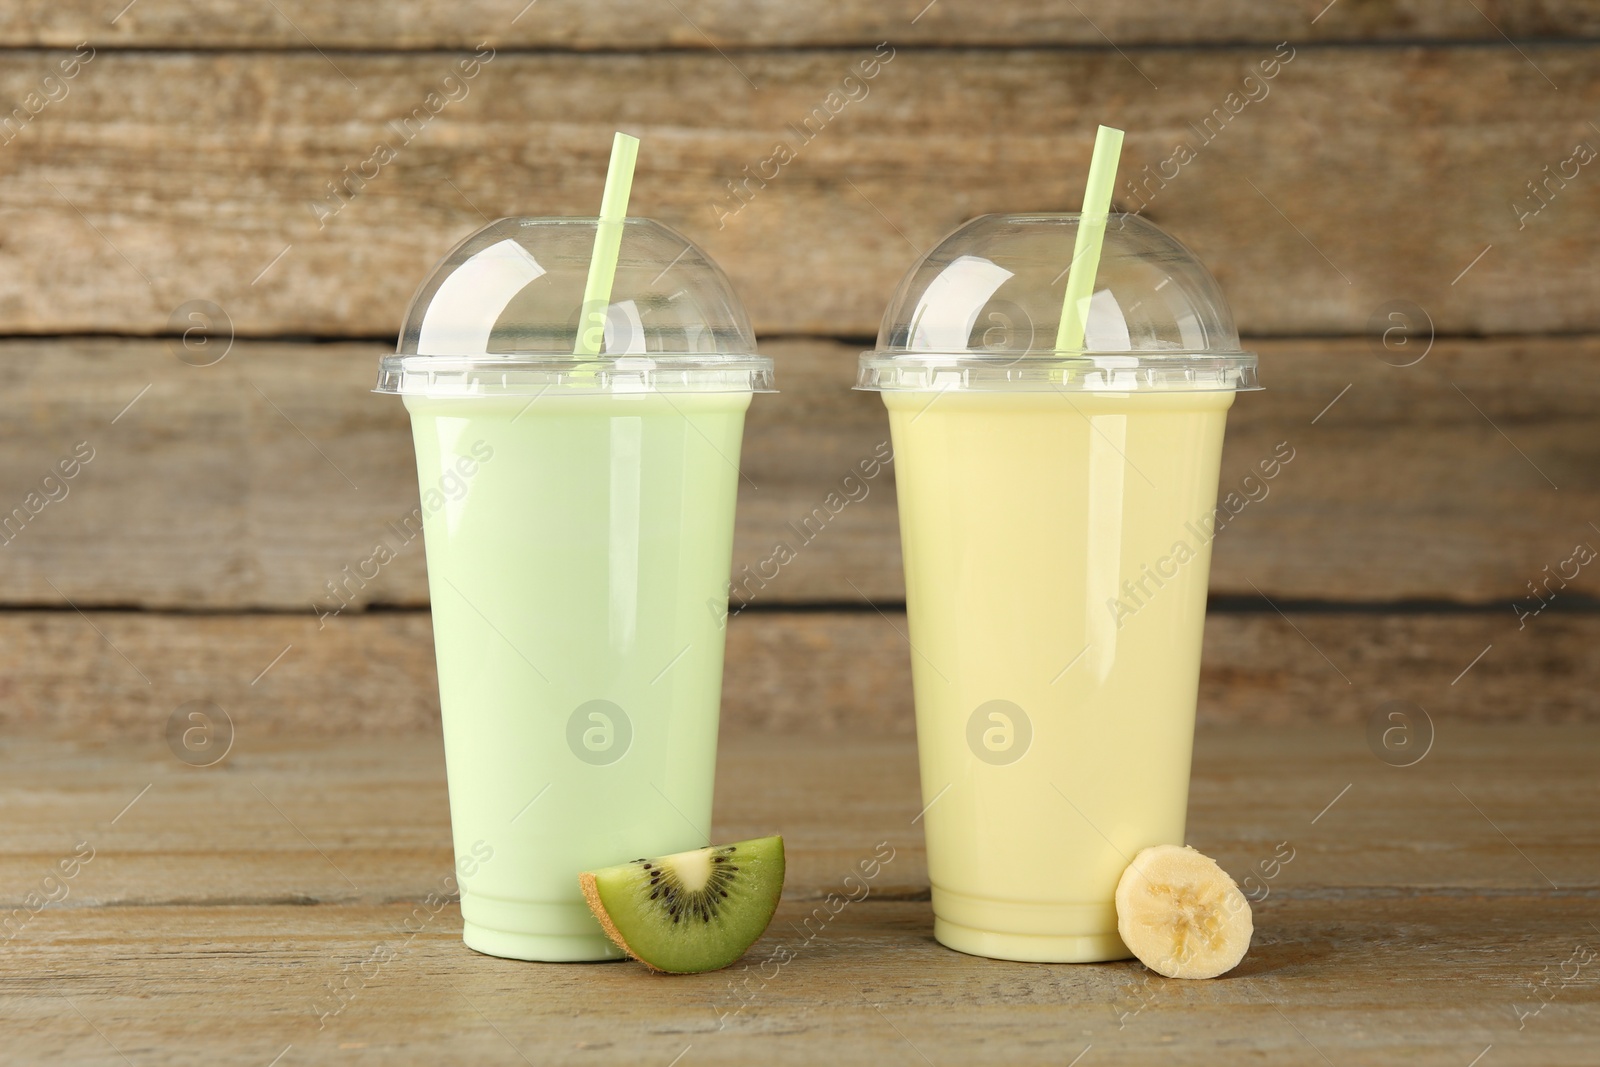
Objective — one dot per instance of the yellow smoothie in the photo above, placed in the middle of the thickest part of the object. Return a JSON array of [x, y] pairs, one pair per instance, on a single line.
[[1057, 547]]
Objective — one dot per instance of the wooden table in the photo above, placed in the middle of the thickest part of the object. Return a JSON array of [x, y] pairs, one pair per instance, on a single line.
[[1424, 908], [1430, 340]]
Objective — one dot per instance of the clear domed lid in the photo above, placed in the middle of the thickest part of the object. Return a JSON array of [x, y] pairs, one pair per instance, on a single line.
[[981, 311], [501, 314]]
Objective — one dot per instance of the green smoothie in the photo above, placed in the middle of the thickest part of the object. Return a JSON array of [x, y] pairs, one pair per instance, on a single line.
[[577, 586]]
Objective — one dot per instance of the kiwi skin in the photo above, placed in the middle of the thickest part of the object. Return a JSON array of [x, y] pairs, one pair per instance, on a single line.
[[591, 896], [763, 854]]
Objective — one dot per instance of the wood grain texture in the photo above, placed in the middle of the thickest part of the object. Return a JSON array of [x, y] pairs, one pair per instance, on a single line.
[[363, 819], [253, 482], [1379, 173], [375, 806], [845, 674], [1411, 981], [1405, 929], [702, 24]]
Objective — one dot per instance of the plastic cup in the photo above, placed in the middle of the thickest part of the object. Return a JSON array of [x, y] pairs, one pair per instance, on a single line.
[[1055, 518], [578, 520]]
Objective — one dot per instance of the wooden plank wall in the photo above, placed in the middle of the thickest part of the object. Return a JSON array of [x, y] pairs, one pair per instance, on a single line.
[[1417, 159]]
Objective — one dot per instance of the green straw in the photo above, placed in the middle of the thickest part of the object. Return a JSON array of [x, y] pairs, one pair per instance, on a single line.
[[1091, 234], [607, 243]]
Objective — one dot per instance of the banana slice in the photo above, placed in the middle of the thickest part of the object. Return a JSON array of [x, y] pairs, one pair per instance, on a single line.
[[1181, 914]]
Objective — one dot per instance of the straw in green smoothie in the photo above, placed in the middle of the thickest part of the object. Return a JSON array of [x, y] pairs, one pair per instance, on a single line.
[[607, 244]]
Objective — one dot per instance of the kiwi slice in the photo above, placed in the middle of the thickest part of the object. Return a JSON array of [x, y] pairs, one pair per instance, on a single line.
[[691, 911]]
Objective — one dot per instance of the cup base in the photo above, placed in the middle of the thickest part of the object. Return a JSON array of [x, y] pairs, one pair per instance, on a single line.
[[541, 948], [1030, 948], [1051, 931]]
